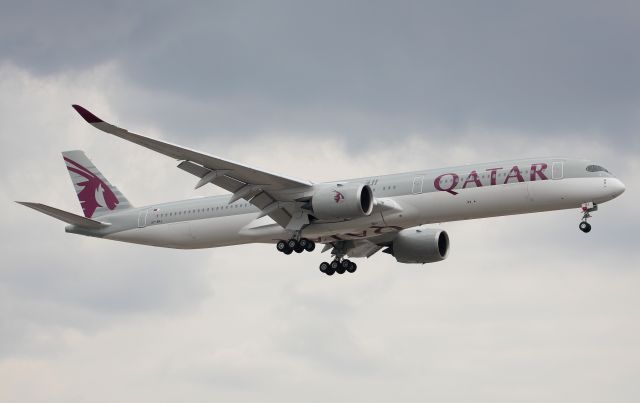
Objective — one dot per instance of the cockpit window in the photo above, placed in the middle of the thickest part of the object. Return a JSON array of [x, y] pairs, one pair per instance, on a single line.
[[596, 168]]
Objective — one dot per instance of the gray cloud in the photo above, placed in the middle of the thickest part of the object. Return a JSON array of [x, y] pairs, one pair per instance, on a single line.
[[360, 69], [526, 308]]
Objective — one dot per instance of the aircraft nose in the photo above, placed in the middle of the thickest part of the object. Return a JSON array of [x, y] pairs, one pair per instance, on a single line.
[[616, 186]]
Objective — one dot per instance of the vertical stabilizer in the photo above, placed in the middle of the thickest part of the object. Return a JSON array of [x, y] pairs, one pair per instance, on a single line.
[[96, 195]]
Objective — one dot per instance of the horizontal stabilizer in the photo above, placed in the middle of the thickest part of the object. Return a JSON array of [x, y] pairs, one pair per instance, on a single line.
[[65, 216]]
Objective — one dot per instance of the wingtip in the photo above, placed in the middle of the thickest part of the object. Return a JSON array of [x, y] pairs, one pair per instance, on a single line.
[[86, 115]]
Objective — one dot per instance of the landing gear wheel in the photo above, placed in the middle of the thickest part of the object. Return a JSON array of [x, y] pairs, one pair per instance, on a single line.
[[335, 265], [345, 264], [310, 246], [352, 267], [324, 267], [281, 246], [287, 251], [303, 242], [292, 244], [585, 227]]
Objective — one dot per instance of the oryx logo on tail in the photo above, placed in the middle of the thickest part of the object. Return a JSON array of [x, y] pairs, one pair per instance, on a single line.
[[95, 192]]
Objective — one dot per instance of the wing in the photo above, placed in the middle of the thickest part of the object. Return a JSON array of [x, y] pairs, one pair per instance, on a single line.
[[261, 188]]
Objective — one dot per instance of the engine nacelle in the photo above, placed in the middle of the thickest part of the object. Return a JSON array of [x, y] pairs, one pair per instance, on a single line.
[[419, 245], [342, 201]]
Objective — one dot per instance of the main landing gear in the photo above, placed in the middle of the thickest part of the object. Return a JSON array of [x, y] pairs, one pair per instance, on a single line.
[[586, 209], [294, 245], [339, 266]]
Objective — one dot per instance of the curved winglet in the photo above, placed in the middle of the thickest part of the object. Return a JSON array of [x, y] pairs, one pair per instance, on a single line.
[[86, 115]]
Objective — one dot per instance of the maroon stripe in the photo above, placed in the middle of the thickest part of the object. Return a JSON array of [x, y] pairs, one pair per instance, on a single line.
[[86, 115], [85, 170]]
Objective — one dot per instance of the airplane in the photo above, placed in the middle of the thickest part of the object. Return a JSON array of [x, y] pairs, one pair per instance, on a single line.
[[352, 218]]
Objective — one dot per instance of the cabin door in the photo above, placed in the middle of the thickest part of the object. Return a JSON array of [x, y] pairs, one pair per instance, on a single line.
[[556, 170], [142, 218], [417, 184]]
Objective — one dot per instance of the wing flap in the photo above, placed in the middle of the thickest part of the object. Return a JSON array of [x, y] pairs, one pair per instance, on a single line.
[[260, 198]]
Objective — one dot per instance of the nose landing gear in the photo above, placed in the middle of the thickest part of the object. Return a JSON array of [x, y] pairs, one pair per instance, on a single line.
[[586, 209]]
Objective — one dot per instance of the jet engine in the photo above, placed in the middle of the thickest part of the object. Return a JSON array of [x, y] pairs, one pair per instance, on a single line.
[[419, 245], [342, 201]]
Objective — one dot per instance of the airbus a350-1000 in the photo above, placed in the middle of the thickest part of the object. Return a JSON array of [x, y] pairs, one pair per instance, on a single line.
[[352, 218]]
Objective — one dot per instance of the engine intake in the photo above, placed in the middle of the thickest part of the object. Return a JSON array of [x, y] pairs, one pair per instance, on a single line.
[[342, 201], [419, 245]]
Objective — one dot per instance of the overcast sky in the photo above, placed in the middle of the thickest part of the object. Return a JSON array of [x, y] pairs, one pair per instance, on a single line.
[[526, 308]]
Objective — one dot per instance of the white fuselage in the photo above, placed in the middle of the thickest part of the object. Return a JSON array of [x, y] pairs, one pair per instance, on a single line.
[[402, 201]]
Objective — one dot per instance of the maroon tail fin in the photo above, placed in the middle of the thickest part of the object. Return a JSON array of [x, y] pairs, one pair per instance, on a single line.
[[96, 195]]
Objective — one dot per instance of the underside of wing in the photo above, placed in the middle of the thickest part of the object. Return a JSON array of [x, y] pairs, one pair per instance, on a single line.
[[364, 248], [359, 247]]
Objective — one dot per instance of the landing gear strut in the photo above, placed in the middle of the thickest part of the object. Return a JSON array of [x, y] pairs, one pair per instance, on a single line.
[[586, 209]]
